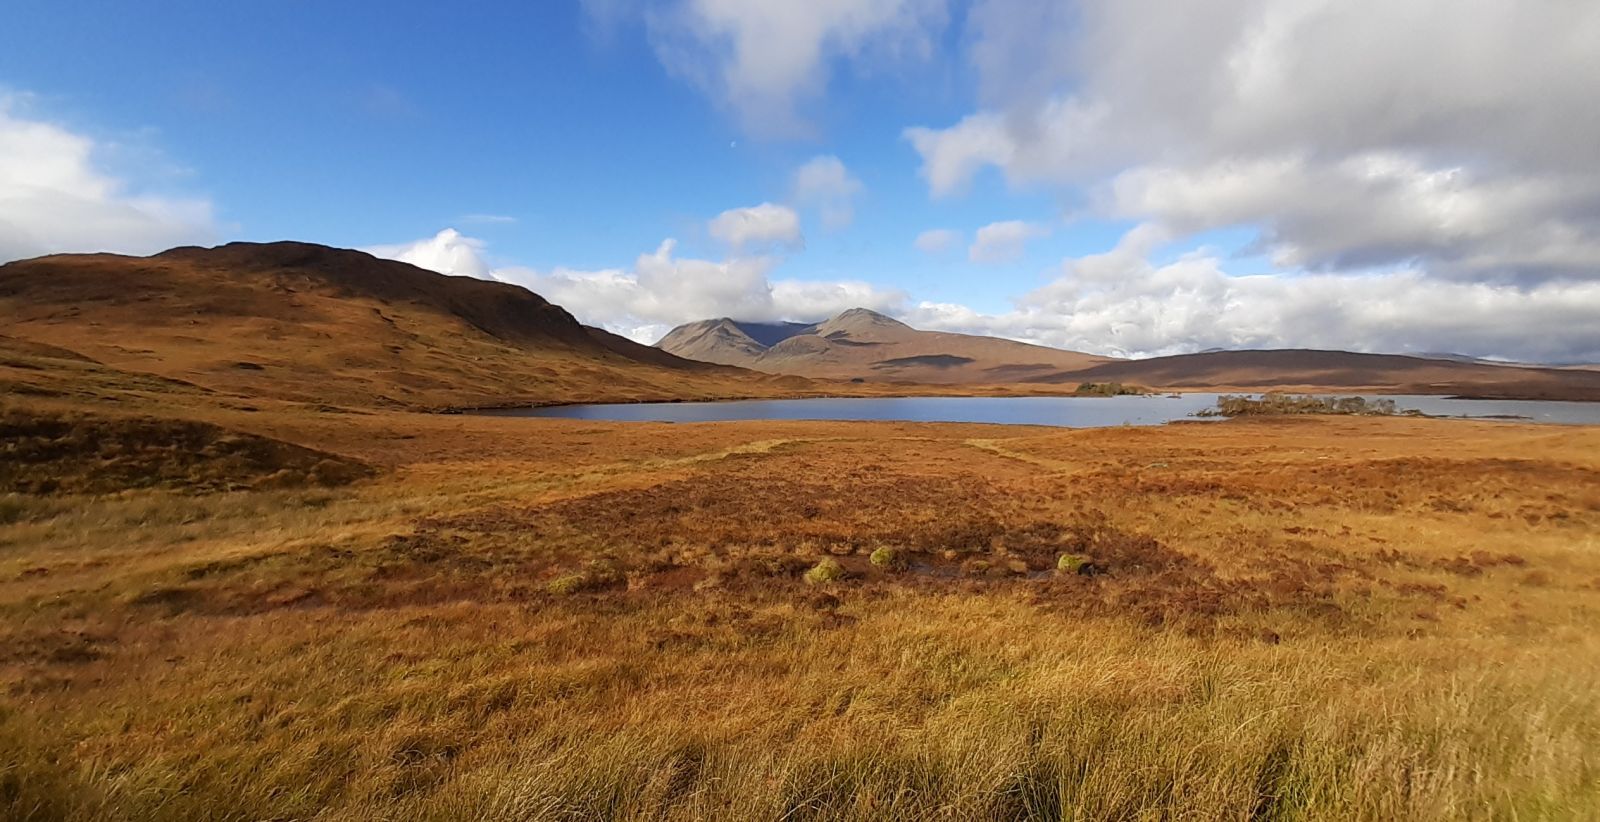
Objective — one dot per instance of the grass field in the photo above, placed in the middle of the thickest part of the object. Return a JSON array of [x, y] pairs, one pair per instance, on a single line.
[[1304, 618]]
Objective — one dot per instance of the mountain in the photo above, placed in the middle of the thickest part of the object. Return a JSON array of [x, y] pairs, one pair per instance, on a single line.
[[309, 323], [1305, 369], [865, 345]]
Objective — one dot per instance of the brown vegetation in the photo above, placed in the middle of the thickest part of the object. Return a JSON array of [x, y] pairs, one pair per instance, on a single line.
[[237, 582], [1342, 371], [76, 453], [1314, 618], [306, 323]]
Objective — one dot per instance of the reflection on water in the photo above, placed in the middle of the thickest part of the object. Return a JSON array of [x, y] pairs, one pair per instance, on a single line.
[[1070, 412]]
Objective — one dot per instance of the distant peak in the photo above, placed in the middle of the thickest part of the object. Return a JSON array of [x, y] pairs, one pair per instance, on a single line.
[[861, 321], [866, 314]]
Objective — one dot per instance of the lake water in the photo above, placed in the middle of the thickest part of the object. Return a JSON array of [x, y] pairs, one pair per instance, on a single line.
[[1069, 412]]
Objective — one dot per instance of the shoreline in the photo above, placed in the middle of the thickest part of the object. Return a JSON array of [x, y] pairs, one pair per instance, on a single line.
[[1160, 393]]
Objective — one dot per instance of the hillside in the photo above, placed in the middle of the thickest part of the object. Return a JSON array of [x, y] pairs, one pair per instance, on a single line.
[[1342, 370], [308, 323], [866, 345]]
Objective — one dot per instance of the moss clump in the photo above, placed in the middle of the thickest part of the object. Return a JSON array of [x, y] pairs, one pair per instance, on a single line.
[[598, 574], [1076, 564], [568, 584], [824, 572], [888, 559]]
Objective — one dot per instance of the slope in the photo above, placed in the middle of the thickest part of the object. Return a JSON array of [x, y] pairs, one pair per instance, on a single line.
[[309, 323], [865, 345], [1342, 370]]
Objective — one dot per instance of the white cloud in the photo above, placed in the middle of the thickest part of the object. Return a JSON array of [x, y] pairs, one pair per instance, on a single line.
[[447, 252], [1003, 242], [818, 299], [1120, 303], [757, 227], [937, 240], [1378, 209], [825, 183], [56, 196], [764, 58], [660, 290], [1464, 142], [488, 219]]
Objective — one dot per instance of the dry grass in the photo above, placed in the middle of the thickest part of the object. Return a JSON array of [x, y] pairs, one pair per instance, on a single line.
[[47, 453], [1344, 618]]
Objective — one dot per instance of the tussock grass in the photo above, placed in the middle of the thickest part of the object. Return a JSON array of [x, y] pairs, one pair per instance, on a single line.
[[44, 453], [1302, 619]]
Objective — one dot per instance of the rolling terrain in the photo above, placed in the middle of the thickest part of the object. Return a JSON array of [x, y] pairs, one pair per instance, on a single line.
[[865, 345], [306, 323], [1335, 371], [1349, 618], [282, 590]]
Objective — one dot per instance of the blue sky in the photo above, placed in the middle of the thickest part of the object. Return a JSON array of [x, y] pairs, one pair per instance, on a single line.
[[1170, 199], [356, 124]]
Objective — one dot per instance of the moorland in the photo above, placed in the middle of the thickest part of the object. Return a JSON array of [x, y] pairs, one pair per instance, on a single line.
[[290, 590]]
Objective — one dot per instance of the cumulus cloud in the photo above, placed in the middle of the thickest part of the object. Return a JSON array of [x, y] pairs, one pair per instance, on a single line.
[[660, 290], [1441, 192], [1463, 142], [1003, 242], [1119, 302], [56, 196], [448, 252], [765, 58], [937, 240], [763, 226], [825, 184]]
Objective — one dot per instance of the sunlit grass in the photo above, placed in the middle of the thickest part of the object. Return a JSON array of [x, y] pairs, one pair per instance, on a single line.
[[1354, 619]]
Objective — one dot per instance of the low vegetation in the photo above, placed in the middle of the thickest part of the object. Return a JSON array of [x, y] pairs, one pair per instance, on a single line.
[[1319, 618], [46, 453], [1276, 404], [1108, 389]]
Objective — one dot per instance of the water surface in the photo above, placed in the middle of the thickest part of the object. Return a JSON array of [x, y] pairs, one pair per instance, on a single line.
[[1069, 412]]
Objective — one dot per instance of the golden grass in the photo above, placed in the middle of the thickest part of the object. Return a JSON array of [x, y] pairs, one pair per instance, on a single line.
[[1296, 619]]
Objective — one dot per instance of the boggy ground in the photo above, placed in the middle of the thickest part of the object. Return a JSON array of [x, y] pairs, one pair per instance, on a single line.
[[1310, 618]]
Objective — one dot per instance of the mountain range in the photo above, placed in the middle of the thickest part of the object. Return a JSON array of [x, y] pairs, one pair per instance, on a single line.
[[298, 322], [863, 345], [866, 345]]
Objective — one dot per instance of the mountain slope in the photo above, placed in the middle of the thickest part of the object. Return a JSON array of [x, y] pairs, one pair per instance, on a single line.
[[866, 345], [308, 323], [1342, 370]]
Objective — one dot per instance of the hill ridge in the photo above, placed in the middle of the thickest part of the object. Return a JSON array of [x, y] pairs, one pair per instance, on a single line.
[[862, 344], [312, 323]]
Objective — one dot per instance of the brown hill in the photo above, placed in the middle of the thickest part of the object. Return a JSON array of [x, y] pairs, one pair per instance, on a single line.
[[866, 345], [308, 323], [1303, 369]]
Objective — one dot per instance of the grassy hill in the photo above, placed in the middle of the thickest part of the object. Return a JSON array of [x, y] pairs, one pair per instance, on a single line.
[[308, 323]]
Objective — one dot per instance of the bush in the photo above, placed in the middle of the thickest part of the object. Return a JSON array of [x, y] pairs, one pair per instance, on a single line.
[[824, 572]]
